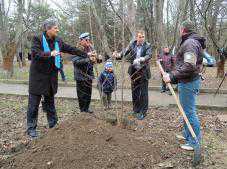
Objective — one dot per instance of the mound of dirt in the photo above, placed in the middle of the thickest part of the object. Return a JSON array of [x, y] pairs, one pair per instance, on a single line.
[[87, 142]]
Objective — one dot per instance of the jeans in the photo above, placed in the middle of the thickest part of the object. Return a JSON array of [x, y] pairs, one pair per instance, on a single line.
[[187, 95]]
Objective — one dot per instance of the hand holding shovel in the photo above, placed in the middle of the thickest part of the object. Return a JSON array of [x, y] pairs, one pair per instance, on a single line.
[[197, 151]]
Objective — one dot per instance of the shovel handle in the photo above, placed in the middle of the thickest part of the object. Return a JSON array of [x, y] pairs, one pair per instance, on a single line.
[[178, 103]]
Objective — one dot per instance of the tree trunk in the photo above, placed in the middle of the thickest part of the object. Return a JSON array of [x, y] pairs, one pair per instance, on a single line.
[[8, 56], [220, 68], [160, 40], [131, 16], [19, 30], [103, 36], [0, 55]]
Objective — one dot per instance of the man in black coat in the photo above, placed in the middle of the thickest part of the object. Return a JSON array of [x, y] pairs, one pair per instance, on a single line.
[[83, 72], [138, 54], [43, 76]]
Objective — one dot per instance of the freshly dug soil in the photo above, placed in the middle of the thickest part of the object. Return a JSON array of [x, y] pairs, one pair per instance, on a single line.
[[84, 141]]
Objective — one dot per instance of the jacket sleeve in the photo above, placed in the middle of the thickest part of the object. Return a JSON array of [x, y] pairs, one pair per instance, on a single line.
[[37, 52], [125, 52], [186, 69], [71, 50], [101, 80], [78, 60], [148, 54]]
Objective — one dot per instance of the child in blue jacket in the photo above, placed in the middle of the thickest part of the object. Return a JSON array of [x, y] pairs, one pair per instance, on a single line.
[[107, 83]]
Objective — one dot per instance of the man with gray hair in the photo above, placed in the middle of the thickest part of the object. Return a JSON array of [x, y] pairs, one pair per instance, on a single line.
[[43, 76]]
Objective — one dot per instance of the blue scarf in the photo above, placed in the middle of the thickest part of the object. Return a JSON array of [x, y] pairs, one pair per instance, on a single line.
[[47, 49], [57, 62]]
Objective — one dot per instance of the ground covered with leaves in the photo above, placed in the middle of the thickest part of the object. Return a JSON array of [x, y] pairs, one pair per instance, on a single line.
[[84, 141]]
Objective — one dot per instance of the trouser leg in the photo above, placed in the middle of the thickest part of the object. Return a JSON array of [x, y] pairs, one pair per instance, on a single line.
[[104, 99], [49, 107], [89, 92], [32, 112], [140, 96], [187, 96], [84, 89]]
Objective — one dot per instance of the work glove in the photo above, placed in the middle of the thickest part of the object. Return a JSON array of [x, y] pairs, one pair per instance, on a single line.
[[141, 59], [54, 53], [92, 57], [136, 62], [166, 78]]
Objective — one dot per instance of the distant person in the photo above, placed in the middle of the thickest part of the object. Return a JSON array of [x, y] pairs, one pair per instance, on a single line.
[[167, 61], [29, 56], [20, 56], [223, 52]]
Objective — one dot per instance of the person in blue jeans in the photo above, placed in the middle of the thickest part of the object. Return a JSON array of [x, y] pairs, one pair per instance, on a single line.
[[186, 74]]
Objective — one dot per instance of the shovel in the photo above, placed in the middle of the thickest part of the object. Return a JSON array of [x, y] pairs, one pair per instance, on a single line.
[[197, 151]]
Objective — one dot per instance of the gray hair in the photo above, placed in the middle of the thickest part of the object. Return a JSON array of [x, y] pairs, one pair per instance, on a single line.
[[49, 23]]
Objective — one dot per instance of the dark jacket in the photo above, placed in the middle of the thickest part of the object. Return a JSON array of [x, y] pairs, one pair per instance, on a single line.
[[224, 52], [167, 61], [83, 68], [43, 76], [107, 81], [187, 72], [130, 55]]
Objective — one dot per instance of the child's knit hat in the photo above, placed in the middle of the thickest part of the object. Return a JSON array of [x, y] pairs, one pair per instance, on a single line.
[[108, 65]]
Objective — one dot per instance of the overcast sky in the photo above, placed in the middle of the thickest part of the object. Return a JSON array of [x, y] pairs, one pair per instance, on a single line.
[[11, 6]]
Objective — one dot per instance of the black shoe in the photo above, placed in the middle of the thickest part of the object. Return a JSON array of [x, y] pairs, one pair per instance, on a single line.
[[89, 111], [162, 91], [169, 93], [32, 133], [53, 125]]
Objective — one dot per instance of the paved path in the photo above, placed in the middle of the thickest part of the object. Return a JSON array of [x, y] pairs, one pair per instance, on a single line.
[[155, 97]]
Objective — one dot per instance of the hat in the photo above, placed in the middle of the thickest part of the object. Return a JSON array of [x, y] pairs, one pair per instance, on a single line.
[[49, 23], [85, 35], [108, 65], [188, 25]]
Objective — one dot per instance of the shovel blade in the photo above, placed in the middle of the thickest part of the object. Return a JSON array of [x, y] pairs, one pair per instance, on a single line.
[[197, 154]]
